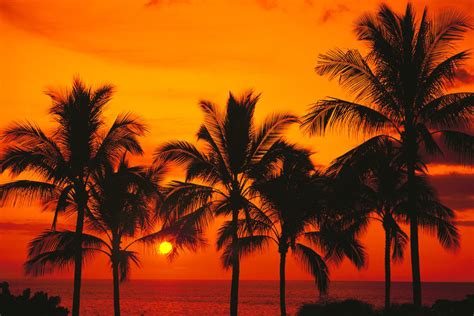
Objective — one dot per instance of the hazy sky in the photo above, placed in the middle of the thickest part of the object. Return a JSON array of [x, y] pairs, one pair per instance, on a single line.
[[164, 56]]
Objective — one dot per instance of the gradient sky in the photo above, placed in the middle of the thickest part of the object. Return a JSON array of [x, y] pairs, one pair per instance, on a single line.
[[164, 56]]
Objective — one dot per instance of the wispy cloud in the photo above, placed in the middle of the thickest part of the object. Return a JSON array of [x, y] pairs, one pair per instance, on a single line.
[[332, 12], [465, 223], [456, 190], [23, 227], [464, 76], [268, 4], [152, 3]]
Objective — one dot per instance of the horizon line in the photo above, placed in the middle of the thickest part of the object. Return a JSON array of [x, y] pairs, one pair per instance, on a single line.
[[226, 280]]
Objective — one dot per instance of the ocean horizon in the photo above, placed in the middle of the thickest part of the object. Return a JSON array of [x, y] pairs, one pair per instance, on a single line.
[[211, 297]]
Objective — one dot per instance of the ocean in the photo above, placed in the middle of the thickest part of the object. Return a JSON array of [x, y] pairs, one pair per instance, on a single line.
[[167, 297]]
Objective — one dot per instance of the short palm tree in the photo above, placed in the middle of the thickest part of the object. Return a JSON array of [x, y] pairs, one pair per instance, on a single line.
[[62, 162], [122, 207], [378, 193], [235, 151], [378, 189], [400, 93], [294, 210]]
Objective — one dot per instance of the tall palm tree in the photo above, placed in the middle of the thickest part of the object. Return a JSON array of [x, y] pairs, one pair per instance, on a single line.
[[294, 210], [235, 151], [400, 93], [62, 161], [121, 208]]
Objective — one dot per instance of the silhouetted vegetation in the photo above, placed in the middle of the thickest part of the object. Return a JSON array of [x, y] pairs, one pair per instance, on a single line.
[[400, 96], [60, 163], [359, 308], [122, 206], [376, 187], [297, 216], [40, 304], [267, 190], [218, 178]]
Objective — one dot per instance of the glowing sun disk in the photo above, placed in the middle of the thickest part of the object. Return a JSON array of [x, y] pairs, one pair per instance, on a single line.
[[165, 247]]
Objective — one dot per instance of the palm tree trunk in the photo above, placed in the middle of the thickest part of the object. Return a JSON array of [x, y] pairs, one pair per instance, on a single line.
[[387, 268], [78, 261], [415, 261], [116, 280], [282, 283], [414, 247], [234, 292]]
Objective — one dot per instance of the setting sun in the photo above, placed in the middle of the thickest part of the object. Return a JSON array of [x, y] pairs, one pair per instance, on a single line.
[[165, 247]]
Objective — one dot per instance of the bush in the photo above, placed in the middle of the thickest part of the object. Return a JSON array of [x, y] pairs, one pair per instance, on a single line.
[[358, 308], [339, 308], [454, 308], [39, 304]]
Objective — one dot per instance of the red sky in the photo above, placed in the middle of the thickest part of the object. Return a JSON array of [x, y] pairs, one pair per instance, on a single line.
[[166, 55]]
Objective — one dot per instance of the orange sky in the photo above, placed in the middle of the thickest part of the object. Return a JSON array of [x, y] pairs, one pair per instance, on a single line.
[[164, 57]]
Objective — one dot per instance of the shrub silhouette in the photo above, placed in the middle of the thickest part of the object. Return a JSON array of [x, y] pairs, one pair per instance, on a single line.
[[359, 308], [339, 308], [40, 304]]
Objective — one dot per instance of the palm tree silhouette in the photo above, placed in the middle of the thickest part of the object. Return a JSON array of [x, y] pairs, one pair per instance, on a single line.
[[377, 187], [64, 160], [235, 152], [121, 208], [400, 89], [294, 210], [377, 195]]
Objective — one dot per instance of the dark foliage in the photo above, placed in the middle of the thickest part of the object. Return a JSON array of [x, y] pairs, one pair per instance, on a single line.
[[359, 308], [343, 308], [40, 304]]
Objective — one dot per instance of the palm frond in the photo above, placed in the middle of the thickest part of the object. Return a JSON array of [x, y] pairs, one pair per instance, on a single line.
[[55, 250], [25, 192], [270, 131], [462, 144], [450, 110], [335, 113], [125, 258], [121, 137], [246, 246], [314, 264], [355, 74]]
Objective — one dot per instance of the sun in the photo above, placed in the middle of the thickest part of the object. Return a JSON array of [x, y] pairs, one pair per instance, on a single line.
[[165, 247]]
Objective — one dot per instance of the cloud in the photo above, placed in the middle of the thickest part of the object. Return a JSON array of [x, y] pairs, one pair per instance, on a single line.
[[24, 227], [456, 190], [166, 2], [464, 76], [29, 227], [267, 4], [331, 13], [465, 223]]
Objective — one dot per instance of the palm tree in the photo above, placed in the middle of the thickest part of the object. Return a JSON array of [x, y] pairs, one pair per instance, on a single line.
[[121, 208], [377, 194], [378, 188], [400, 93], [235, 151], [294, 210], [63, 161]]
